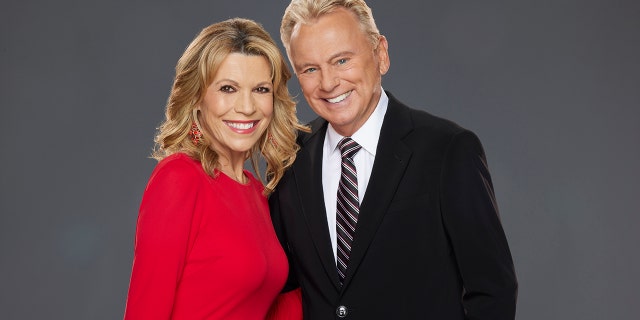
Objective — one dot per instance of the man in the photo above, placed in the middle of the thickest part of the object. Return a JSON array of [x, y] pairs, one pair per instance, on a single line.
[[388, 212]]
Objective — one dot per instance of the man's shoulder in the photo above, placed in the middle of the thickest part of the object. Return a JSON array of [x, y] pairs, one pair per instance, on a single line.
[[317, 125], [423, 120]]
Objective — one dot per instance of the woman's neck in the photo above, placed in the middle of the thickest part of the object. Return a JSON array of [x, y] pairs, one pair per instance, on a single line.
[[234, 168]]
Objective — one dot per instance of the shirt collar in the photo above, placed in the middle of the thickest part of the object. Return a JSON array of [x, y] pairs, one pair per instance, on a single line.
[[367, 136]]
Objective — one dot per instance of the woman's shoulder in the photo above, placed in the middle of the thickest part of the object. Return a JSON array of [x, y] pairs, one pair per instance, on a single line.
[[178, 160], [178, 166], [254, 181]]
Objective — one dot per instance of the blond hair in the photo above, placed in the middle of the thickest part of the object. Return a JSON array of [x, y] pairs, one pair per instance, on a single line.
[[196, 69], [307, 11]]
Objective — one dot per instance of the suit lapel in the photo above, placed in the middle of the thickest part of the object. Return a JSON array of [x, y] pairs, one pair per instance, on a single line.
[[392, 157], [308, 175]]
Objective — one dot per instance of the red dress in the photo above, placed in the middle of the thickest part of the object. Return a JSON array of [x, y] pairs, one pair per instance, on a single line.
[[205, 248]]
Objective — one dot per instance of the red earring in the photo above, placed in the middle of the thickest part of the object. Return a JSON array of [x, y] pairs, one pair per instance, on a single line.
[[272, 140], [195, 133]]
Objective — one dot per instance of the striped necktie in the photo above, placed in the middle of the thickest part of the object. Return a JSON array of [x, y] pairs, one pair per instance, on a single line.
[[348, 204]]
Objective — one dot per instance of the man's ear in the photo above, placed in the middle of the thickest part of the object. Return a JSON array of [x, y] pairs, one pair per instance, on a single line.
[[383, 55]]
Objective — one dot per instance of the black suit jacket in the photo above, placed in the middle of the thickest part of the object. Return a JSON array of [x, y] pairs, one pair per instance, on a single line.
[[428, 244]]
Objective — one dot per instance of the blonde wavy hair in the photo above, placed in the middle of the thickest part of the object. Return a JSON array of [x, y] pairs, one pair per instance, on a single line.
[[196, 70], [307, 11]]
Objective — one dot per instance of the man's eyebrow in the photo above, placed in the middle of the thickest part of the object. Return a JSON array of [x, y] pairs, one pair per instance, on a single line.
[[332, 57]]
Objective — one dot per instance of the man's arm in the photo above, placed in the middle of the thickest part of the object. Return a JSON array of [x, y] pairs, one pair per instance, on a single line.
[[470, 214], [278, 225]]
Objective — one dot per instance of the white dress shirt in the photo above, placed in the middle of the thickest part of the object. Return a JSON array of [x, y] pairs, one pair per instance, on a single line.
[[367, 137]]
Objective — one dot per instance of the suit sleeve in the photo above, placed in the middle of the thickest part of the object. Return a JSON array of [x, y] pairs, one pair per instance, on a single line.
[[162, 233], [470, 214], [278, 226]]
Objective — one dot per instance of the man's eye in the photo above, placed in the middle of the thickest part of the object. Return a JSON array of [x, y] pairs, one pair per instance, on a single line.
[[310, 70], [228, 89], [342, 61]]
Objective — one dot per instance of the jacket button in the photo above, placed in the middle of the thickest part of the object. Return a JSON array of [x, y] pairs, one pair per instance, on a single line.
[[342, 312]]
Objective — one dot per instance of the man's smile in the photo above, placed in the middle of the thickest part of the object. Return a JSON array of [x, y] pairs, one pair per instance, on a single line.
[[339, 98]]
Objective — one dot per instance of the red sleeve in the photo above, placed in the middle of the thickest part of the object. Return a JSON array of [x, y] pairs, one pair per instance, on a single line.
[[287, 306], [162, 234]]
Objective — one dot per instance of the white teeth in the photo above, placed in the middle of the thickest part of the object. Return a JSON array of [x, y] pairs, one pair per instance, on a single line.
[[339, 98], [240, 126]]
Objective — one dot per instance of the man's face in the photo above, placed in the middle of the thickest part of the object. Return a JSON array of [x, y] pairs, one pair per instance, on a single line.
[[338, 68]]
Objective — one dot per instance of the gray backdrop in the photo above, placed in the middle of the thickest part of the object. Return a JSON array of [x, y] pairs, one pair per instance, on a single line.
[[550, 86]]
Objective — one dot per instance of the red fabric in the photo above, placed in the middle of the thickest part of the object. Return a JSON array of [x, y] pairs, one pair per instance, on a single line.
[[288, 306], [205, 248]]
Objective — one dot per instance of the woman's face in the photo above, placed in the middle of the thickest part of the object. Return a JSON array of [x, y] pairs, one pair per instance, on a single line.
[[238, 105]]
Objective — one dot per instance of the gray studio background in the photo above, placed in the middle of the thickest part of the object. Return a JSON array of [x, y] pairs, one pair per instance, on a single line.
[[550, 87]]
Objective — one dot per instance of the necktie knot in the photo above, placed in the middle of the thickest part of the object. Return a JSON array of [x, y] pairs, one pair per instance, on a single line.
[[348, 147]]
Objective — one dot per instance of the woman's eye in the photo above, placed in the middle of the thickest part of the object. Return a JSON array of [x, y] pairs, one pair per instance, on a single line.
[[263, 90], [227, 89]]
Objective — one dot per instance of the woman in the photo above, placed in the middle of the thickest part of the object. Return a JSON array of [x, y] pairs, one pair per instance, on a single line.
[[205, 247]]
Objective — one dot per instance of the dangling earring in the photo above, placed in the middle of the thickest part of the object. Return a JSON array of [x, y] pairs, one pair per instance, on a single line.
[[272, 140], [195, 133], [269, 139]]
